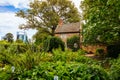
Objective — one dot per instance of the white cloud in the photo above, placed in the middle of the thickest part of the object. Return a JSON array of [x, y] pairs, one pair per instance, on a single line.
[[77, 4], [15, 3], [9, 19], [9, 23], [25, 3]]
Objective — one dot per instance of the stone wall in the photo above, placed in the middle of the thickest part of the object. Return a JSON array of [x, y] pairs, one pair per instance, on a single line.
[[64, 37], [92, 48]]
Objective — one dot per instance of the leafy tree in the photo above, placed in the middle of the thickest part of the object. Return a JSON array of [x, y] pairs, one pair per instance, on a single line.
[[40, 36], [102, 21], [46, 14], [8, 37]]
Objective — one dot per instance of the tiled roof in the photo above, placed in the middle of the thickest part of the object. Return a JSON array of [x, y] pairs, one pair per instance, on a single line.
[[68, 28]]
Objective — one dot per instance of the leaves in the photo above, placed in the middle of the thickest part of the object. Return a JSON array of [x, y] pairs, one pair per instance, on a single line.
[[9, 37], [46, 14], [101, 19]]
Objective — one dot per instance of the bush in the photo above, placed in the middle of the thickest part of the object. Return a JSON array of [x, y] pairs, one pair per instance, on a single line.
[[17, 48], [65, 71], [19, 41], [100, 52], [113, 50], [73, 43], [115, 69], [68, 56], [53, 43]]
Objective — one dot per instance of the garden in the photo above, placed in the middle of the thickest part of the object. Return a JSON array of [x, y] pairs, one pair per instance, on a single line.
[[21, 61], [48, 59]]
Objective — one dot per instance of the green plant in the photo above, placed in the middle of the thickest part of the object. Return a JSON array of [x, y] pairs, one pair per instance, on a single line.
[[26, 60], [115, 69], [67, 65], [19, 41], [9, 37], [4, 55], [73, 43], [53, 43], [23, 60], [69, 56], [100, 52], [15, 47], [65, 71]]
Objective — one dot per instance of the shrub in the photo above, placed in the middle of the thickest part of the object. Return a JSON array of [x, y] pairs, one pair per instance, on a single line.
[[68, 56], [4, 73], [115, 69], [4, 57], [73, 43], [113, 50], [100, 52], [17, 48], [65, 71], [53, 43], [19, 41]]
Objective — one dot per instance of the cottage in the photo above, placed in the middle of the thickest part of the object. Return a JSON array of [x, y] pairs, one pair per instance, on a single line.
[[65, 31]]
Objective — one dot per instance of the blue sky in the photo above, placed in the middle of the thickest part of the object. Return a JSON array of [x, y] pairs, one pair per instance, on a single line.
[[8, 8], [9, 22]]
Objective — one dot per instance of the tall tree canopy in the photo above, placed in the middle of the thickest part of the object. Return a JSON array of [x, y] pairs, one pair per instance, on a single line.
[[102, 21], [45, 14]]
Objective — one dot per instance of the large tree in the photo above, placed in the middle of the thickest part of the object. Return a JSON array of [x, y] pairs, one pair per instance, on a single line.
[[46, 14], [102, 21], [8, 37]]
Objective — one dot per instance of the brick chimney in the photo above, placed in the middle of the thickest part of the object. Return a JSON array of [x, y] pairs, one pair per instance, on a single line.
[[60, 23]]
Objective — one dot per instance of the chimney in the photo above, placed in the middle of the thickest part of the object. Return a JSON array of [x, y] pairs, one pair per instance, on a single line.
[[60, 23]]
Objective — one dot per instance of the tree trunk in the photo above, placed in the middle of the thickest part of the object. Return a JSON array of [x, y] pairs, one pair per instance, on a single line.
[[53, 31]]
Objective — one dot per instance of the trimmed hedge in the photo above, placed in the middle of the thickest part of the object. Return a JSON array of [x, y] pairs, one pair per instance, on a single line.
[[73, 43], [53, 42]]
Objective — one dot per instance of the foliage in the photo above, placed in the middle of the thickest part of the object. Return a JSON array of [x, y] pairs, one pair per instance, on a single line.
[[3, 57], [115, 69], [73, 43], [22, 61], [68, 56], [19, 41], [65, 71], [27, 60], [113, 50], [3, 42], [53, 43], [40, 36], [15, 47], [67, 65], [102, 21], [4, 72], [9, 37], [13, 52], [45, 15], [100, 52]]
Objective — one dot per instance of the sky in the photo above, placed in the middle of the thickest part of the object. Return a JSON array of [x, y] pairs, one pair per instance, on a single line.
[[9, 22]]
